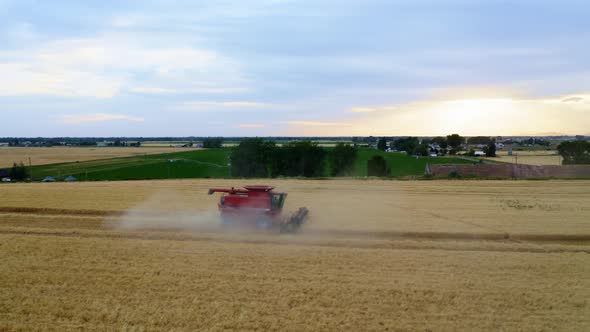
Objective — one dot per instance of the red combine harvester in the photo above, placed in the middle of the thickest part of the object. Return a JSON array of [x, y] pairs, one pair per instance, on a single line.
[[257, 206]]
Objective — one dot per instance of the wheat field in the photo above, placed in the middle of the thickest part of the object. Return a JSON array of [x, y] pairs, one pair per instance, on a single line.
[[375, 255], [540, 157], [51, 155]]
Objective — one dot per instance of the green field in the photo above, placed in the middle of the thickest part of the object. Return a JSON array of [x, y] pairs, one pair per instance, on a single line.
[[400, 164], [188, 164], [211, 163]]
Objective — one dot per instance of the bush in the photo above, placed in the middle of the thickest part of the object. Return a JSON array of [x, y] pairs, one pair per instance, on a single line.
[[255, 157], [405, 144], [485, 140], [454, 175], [491, 149], [304, 158], [213, 143], [382, 144], [252, 158], [342, 159], [421, 150], [455, 141], [574, 152], [18, 171], [377, 166]]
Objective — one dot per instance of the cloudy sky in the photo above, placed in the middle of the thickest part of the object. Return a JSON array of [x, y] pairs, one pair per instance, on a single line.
[[291, 67]]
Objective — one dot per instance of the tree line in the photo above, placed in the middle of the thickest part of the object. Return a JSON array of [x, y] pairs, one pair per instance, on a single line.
[[256, 157], [451, 144], [574, 152], [413, 146]]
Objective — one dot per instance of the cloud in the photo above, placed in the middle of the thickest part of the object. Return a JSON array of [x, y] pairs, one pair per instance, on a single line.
[[104, 66], [129, 21], [242, 104], [477, 92], [224, 106], [98, 117], [19, 79], [319, 124], [160, 13], [362, 110], [576, 99], [20, 32], [251, 125], [187, 90]]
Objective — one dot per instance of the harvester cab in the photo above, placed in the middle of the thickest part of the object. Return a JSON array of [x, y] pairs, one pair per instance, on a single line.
[[257, 206]]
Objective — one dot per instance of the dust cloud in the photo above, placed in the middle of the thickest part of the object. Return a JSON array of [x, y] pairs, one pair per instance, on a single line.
[[352, 211], [167, 210]]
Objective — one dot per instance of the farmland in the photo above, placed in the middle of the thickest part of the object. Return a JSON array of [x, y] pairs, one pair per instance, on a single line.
[[186, 164], [52, 155], [375, 255], [539, 157], [400, 164], [211, 163]]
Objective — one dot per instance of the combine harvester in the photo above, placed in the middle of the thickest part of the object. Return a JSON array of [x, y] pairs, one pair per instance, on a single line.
[[259, 207]]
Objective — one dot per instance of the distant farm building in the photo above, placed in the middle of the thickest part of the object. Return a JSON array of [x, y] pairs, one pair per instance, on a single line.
[[48, 179], [479, 154], [71, 178]]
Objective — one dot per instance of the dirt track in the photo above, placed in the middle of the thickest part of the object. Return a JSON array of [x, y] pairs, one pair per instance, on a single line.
[[376, 255]]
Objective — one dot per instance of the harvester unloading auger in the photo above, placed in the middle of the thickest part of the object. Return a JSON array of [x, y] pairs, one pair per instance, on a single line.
[[258, 206]]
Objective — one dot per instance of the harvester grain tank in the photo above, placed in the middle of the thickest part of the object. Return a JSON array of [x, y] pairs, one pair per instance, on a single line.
[[259, 207]]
